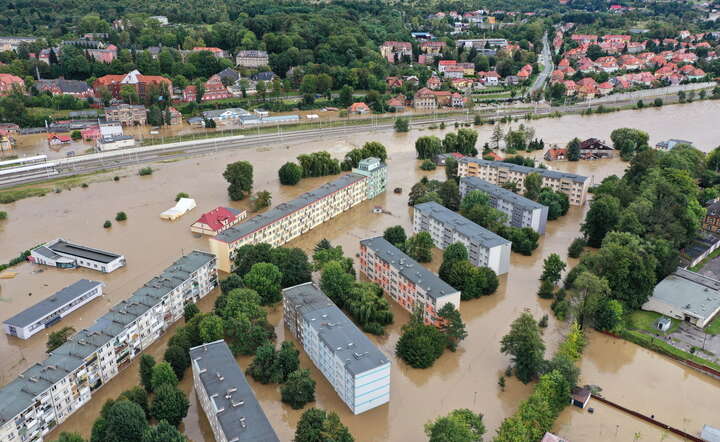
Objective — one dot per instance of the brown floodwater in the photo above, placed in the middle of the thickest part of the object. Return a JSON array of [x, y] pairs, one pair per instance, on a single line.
[[466, 378]]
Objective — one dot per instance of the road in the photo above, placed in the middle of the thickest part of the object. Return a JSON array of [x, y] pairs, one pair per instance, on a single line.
[[547, 61]]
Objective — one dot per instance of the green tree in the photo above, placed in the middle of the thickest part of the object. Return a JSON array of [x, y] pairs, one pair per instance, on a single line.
[[427, 147], [299, 389], [553, 267], [265, 279], [401, 125], [452, 325], [317, 425], [287, 360], [211, 328], [452, 253], [189, 311], [138, 395], [293, 263], [178, 358], [121, 421], [163, 374], [525, 345], [264, 367], [451, 169], [346, 96], [609, 315], [336, 282], [395, 235], [147, 363], [450, 194], [249, 255], [163, 432], [629, 141], [170, 404], [420, 345], [419, 247], [461, 425], [290, 173], [573, 150], [262, 200], [533, 186], [588, 295], [240, 177], [70, 437], [576, 247], [58, 338], [497, 136], [602, 218]]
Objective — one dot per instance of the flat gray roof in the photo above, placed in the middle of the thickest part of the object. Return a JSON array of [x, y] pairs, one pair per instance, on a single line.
[[220, 375], [475, 183], [282, 210], [690, 291], [335, 329], [525, 169], [409, 268], [19, 394], [52, 303], [461, 224], [62, 246]]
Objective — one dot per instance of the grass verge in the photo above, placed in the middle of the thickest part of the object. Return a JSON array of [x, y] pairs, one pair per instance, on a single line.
[[643, 320], [662, 347]]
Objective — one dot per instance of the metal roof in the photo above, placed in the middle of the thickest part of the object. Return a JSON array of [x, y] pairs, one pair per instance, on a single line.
[[475, 183], [282, 210], [61, 246], [460, 224], [334, 329], [691, 292], [526, 170], [237, 409], [52, 303], [409, 268]]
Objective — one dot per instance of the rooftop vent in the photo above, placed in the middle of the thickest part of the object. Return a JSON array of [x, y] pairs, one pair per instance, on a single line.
[[242, 422], [219, 376]]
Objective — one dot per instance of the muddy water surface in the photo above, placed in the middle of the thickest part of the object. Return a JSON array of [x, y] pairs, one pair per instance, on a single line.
[[467, 378]]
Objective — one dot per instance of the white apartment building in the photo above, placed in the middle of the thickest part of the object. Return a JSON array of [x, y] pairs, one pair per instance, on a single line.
[[66, 255], [485, 248], [226, 398], [48, 392], [289, 220], [357, 370], [52, 309], [408, 283], [498, 173], [521, 211]]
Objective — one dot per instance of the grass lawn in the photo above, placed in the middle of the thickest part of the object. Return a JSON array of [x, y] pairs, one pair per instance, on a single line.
[[642, 320], [714, 327], [660, 346], [40, 111], [702, 263]]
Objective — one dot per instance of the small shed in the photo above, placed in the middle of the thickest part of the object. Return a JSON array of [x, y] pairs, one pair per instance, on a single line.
[[710, 434], [580, 396], [663, 323], [183, 206]]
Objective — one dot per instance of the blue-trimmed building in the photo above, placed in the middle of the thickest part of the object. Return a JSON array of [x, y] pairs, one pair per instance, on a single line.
[[357, 370]]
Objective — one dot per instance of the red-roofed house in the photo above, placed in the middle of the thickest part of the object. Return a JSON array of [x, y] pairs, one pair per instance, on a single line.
[[454, 71], [617, 38], [493, 156], [393, 82], [557, 75], [433, 83], [629, 62], [443, 64], [424, 99], [492, 78], [215, 90], [397, 103], [359, 108], [394, 51], [684, 57], [217, 52], [8, 82], [457, 100], [587, 87], [58, 139], [605, 88], [217, 220], [584, 38], [555, 154], [141, 83], [635, 47], [696, 74], [462, 84]]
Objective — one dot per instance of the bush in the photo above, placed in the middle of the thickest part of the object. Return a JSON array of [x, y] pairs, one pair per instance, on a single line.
[[107, 224], [428, 165], [116, 178], [121, 216], [290, 173], [640, 104], [84, 185], [576, 247], [402, 125], [75, 135], [658, 102], [478, 120], [145, 171], [3, 215], [181, 195]]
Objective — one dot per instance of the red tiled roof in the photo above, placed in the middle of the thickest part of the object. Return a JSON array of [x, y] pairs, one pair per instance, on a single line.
[[217, 218]]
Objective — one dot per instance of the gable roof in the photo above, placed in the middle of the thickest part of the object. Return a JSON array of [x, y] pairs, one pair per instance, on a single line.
[[218, 217]]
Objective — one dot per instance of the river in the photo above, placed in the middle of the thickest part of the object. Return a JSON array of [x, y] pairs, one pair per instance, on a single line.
[[466, 378]]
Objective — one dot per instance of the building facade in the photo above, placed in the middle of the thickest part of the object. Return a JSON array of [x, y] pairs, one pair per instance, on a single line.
[[127, 114], [357, 370], [52, 309], [289, 220], [226, 397], [142, 84], [64, 254], [376, 171], [686, 296], [485, 248], [50, 391], [408, 283], [252, 59], [521, 211], [498, 173]]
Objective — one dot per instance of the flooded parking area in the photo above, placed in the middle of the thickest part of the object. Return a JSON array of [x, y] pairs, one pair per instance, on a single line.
[[628, 374]]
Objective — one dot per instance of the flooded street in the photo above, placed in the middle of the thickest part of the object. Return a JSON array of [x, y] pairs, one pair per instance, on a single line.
[[467, 378]]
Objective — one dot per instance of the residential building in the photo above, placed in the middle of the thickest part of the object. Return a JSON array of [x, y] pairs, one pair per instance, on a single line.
[[66, 255], [229, 75], [55, 139], [103, 55], [127, 114], [217, 52], [671, 143], [214, 89], [225, 396], [60, 86], [441, 158], [686, 296], [161, 19], [175, 116], [521, 211], [217, 220], [52, 309], [592, 148], [404, 280], [376, 171], [351, 363], [47, 393], [252, 59], [498, 173], [485, 248], [433, 47], [397, 103], [359, 108], [289, 220], [711, 222], [143, 84], [425, 99], [9, 83], [395, 51], [13, 43]]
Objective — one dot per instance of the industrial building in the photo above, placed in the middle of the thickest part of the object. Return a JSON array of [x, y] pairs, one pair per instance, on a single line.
[[686, 296], [67, 255], [357, 370], [521, 211], [485, 248], [226, 398]]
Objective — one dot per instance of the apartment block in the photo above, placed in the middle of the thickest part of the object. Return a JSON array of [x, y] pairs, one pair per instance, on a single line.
[[357, 370], [499, 173], [408, 283], [521, 211], [52, 309], [226, 397], [289, 220], [376, 171], [48, 392], [485, 248]]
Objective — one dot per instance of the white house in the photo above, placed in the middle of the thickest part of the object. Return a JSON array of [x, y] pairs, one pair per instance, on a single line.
[[67, 255]]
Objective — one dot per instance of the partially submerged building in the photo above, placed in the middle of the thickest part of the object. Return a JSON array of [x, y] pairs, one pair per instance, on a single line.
[[686, 296], [67, 255], [226, 397], [351, 363]]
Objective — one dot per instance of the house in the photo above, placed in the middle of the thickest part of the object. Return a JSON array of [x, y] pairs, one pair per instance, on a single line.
[[217, 52], [469, 68], [143, 84], [175, 116], [7, 141], [229, 76], [395, 51], [252, 59], [454, 71], [160, 19], [444, 64], [394, 82], [457, 100], [214, 90], [594, 148], [217, 220], [555, 154], [13, 43], [60, 86], [492, 78], [580, 396], [671, 143], [433, 83], [55, 139], [66, 255], [570, 87], [584, 38], [557, 76], [424, 99], [114, 142], [686, 296], [127, 114], [605, 88], [441, 158], [397, 103], [587, 87], [359, 108], [9, 83], [432, 47], [265, 76], [462, 84], [103, 55]]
